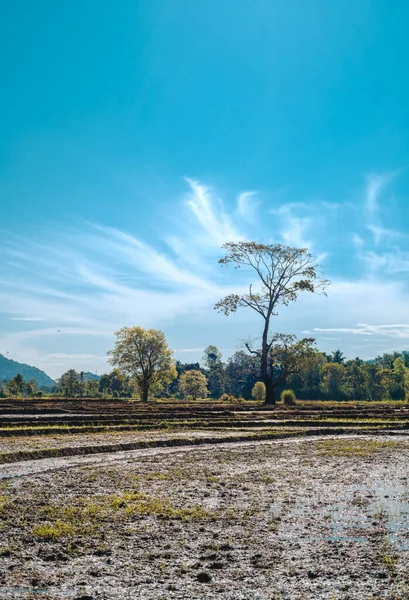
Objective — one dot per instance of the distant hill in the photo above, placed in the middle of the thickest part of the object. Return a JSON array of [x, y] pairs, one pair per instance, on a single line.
[[87, 376], [9, 369]]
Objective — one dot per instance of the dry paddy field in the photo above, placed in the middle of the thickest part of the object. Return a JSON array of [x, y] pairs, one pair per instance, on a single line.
[[317, 517]]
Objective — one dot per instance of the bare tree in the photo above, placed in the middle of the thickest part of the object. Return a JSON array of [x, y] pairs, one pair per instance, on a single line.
[[283, 273]]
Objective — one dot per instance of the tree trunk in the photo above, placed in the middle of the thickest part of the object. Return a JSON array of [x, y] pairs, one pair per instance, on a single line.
[[270, 391], [145, 394], [265, 376]]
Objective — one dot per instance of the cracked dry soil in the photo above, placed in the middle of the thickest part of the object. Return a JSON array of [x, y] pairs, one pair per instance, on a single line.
[[308, 520]]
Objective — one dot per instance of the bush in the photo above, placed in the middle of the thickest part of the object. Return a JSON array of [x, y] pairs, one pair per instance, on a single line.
[[259, 391], [227, 398], [288, 397], [407, 396]]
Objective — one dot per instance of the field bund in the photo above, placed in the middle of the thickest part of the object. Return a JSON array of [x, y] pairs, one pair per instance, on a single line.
[[35, 429]]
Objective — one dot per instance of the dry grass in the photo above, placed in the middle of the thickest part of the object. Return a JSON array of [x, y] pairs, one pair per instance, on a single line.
[[355, 447]]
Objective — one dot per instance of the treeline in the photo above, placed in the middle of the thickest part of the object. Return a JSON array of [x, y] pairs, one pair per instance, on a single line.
[[17, 387], [321, 377]]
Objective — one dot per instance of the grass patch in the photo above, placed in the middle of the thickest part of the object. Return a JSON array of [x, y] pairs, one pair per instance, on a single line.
[[87, 516], [4, 500], [139, 504], [54, 531], [357, 448], [3, 503]]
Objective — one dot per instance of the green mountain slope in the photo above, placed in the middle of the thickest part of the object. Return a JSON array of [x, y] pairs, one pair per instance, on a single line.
[[87, 376], [9, 369]]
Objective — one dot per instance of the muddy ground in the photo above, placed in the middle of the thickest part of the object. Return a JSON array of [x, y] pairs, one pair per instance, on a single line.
[[21, 443], [310, 519]]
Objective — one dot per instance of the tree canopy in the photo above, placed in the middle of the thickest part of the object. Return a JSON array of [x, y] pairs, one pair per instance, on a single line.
[[144, 355], [193, 383], [69, 384], [259, 391]]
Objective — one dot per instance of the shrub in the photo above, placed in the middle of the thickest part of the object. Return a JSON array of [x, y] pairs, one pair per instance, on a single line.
[[407, 396], [288, 397], [259, 391], [227, 398]]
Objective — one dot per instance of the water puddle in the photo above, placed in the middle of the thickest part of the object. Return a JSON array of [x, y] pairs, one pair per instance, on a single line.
[[364, 513]]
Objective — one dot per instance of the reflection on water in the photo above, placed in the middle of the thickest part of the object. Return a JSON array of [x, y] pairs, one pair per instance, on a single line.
[[364, 512]]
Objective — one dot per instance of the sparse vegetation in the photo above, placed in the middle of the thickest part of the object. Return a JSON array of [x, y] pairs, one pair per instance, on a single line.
[[354, 448], [86, 516], [3, 503], [54, 531], [225, 511], [174, 503]]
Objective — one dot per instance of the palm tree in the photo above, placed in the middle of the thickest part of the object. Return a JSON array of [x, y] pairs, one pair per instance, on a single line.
[[337, 357]]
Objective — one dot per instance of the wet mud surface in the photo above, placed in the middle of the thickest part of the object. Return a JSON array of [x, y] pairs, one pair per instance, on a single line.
[[26, 444], [311, 519]]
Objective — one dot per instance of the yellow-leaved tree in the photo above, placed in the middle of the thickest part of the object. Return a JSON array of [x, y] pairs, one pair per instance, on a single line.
[[193, 383], [259, 391], [144, 355]]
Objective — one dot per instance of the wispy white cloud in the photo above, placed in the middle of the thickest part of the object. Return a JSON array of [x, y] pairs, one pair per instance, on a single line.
[[247, 205], [143, 258], [400, 330], [373, 309], [79, 286], [381, 234], [389, 262], [294, 228], [89, 282], [386, 250], [357, 241], [183, 350], [217, 225], [299, 221], [29, 319], [375, 184]]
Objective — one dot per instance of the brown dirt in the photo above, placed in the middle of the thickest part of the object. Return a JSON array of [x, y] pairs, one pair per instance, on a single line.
[[308, 520]]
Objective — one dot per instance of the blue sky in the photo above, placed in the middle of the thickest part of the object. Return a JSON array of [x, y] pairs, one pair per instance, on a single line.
[[137, 137]]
